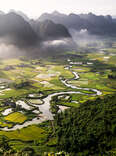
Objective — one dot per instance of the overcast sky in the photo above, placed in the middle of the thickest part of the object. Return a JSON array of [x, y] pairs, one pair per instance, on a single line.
[[34, 8]]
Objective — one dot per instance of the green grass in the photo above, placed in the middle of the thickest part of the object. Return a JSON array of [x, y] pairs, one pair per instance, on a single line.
[[16, 117], [65, 73], [36, 101], [18, 93], [29, 133], [11, 61], [111, 50], [3, 124], [112, 60]]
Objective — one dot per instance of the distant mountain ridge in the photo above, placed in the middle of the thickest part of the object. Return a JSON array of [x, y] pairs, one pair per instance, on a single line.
[[97, 25], [53, 33], [22, 31]]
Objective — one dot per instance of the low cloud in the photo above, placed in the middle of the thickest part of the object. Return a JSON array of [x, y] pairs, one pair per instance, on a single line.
[[58, 46], [10, 50], [82, 37], [45, 48]]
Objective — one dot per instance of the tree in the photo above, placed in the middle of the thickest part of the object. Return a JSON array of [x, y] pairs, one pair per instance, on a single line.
[[28, 151]]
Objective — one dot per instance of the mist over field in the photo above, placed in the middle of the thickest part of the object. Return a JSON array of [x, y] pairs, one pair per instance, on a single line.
[[83, 37], [44, 48]]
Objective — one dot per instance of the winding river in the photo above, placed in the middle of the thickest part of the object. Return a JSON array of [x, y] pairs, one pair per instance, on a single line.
[[45, 107]]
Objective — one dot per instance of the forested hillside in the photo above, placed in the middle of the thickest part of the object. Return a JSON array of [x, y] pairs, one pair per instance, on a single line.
[[89, 129]]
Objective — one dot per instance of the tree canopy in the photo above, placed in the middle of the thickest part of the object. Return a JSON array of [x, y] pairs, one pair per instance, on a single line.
[[89, 129]]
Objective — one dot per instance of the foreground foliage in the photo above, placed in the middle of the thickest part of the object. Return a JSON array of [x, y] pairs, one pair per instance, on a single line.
[[89, 129]]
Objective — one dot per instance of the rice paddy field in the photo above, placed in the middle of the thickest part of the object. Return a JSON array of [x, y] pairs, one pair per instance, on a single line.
[[31, 81]]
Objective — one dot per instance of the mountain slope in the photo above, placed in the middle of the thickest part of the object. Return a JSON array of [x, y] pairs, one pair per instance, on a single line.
[[16, 30], [48, 30]]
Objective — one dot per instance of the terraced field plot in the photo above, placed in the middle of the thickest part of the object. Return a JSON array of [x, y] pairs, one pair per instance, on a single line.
[[16, 117]]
